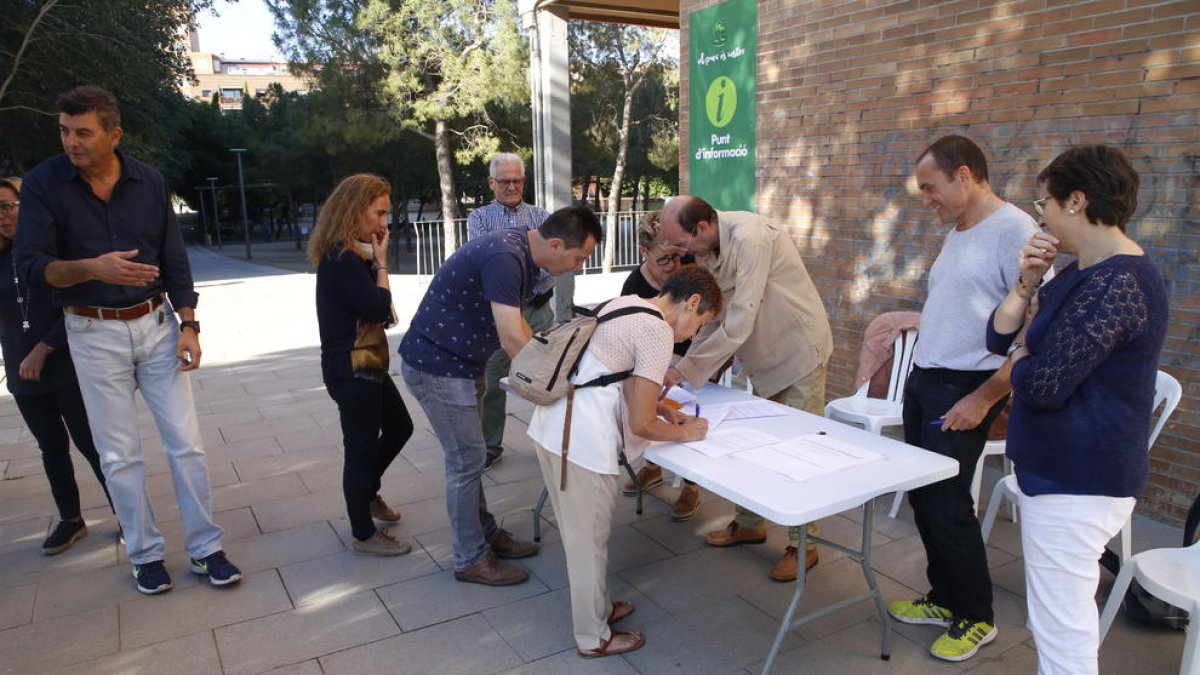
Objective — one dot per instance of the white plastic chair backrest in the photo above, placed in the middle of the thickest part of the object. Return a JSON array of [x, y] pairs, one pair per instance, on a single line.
[[1167, 392], [902, 358]]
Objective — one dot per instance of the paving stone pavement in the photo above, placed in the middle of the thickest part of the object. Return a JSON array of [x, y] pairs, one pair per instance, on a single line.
[[308, 605]]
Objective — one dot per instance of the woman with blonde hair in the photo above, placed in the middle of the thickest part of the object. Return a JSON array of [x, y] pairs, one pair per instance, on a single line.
[[354, 305], [41, 377]]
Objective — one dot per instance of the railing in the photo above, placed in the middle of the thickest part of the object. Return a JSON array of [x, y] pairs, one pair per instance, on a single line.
[[424, 250]]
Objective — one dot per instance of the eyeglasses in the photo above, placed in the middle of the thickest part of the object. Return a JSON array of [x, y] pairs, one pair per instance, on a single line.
[[1039, 205], [8, 207], [509, 182], [668, 259]]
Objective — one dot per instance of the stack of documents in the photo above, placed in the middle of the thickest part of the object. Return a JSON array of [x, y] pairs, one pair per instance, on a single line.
[[799, 458]]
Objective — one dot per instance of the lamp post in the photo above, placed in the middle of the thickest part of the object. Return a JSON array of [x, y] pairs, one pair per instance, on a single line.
[[212, 184], [242, 186]]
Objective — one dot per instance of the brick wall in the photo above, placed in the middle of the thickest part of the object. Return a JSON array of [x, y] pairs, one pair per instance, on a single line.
[[850, 91]]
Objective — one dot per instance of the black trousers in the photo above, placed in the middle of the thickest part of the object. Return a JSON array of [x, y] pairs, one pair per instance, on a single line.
[[958, 573], [375, 427], [55, 419]]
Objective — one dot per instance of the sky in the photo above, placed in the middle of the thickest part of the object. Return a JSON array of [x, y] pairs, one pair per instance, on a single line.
[[243, 30]]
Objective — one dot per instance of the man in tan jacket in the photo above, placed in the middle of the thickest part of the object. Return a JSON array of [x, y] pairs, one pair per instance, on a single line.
[[774, 323]]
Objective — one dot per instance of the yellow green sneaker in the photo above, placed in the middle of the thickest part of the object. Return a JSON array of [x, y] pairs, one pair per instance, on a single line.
[[920, 611], [962, 639]]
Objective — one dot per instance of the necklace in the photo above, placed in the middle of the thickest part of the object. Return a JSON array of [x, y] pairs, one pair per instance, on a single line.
[[21, 304]]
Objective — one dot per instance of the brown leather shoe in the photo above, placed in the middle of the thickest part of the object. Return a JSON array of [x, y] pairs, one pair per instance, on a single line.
[[686, 505], [650, 476], [491, 572], [506, 546], [734, 534], [785, 569], [381, 543], [381, 511]]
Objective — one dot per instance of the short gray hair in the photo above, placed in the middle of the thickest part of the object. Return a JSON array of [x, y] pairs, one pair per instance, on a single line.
[[505, 158]]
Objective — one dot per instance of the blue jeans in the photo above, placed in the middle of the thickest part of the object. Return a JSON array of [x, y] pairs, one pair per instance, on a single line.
[[494, 397], [452, 406], [114, 359]]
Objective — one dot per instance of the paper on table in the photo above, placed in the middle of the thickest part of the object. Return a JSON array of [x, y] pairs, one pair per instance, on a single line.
[[681, 396], [740, 410], [715, 414], [808, 456], [726, 440]]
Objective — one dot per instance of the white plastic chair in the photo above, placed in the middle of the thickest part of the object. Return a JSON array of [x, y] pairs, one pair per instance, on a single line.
[[731, 372], [1167, 392], [990, 448], [876, 413], [1170, 574]]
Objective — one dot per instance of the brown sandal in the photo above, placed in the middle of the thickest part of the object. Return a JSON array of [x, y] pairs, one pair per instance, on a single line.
[[620, 610], [610, 647]]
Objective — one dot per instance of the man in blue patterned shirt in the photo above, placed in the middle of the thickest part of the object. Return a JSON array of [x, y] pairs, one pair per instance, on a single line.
[[472, 307], [506, 178]]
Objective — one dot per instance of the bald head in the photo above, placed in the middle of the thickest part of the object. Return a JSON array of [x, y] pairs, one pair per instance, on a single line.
[[690, 223]]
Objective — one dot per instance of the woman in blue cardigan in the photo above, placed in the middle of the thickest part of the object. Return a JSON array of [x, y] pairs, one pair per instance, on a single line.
[[354, 304], [1085, 351]]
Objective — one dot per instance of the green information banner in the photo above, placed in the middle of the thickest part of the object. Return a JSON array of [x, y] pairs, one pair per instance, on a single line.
[[723, 72]]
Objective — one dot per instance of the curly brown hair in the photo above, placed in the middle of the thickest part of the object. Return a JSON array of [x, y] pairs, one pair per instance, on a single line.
[[343, 213]]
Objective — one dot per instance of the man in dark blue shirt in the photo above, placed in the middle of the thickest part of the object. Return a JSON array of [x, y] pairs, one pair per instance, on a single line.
[[97, 228], [472, 308]]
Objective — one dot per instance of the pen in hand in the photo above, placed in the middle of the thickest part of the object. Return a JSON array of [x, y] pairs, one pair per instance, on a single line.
[[697, 410]]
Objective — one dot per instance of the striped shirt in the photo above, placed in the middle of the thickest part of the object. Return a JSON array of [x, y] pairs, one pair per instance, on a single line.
[[496, 216]]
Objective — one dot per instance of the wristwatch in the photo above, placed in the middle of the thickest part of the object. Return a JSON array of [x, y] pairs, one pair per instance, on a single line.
[[1017, 344], [194, 325]]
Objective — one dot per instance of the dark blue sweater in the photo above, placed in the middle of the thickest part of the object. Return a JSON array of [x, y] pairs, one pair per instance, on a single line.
[[346, 293], [1082, 398]]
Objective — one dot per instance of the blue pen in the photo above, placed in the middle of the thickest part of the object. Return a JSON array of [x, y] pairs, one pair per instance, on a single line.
[[937, 423], [697, 410]]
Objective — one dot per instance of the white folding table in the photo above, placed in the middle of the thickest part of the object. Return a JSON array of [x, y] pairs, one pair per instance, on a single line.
[[787, 502]]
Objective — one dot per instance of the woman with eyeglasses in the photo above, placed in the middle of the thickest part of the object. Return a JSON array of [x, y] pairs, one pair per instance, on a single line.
[[41, 378], [1085, 349], [349, 246], [659, 261]]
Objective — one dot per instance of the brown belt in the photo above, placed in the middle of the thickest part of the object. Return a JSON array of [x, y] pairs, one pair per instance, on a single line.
[[122, 314]]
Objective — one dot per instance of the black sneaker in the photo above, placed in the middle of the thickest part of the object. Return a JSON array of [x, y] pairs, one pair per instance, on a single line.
[[64, 536], [218, 569], [491, 460], [152, 577]]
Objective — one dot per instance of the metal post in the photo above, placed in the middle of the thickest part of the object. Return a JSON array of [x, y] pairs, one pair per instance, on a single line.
[[212, 183], [203, 217], [242, 187]]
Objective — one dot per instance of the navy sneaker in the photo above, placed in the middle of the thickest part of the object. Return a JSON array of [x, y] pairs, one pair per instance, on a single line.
[[218, 568], [152, 577]]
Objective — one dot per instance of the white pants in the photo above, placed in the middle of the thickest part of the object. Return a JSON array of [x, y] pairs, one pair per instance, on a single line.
[[584, 515], [1062, 537], [113, 359]]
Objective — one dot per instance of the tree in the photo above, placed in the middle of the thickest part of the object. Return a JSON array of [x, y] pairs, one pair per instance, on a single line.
[[433, 65], [130, 48], [630, 53]]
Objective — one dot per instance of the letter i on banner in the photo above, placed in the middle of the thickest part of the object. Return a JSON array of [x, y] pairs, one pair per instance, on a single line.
[[723, 49]]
